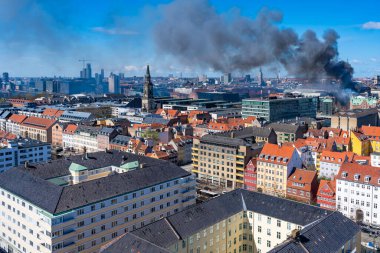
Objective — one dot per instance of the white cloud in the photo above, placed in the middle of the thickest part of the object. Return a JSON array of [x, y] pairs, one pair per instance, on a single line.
[[132, 68], [371, 25], [356, 61], [373, 60], [113, 31]]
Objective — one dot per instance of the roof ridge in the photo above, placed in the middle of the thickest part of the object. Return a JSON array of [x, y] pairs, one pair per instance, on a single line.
[[60, 195], [173, 228]]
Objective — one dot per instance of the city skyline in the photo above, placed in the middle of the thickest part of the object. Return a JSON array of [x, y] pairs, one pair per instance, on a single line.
[[45, 39]]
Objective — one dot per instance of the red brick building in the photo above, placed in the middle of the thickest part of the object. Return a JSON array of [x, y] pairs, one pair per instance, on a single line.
[[326, 194], [250, 175], [302, 186]]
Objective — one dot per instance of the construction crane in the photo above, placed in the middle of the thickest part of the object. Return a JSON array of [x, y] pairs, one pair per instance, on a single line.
[[84, 61]]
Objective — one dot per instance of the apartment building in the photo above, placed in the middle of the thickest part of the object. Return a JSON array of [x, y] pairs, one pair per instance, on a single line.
[[251, 222], [13, 123], [274, 165], [85, 137], [81, 203], [288, 132], [37, 129], [183, 146], [331, 162], [104, 137], [326, 196], [354, 119], [302, 186], [220, 158], [250, 175], [273, 110], [68, 136], [358, 193], [19, 151]]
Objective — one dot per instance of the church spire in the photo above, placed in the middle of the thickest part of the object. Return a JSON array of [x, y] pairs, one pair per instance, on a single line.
[[147, 75]]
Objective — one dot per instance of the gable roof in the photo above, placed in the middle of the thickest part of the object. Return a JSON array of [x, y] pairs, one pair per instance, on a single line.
[[326, 185], [278, 154], [40, 123], [301, 176], [328, 234], [17, 118]]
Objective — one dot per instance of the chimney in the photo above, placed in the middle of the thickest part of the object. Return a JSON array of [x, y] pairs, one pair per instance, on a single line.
[[295, 234], [280, 144], [232, 134], [142, 165], [26, 164]]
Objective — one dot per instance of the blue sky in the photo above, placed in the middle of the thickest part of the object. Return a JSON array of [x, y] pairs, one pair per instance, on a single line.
[[46, 38]]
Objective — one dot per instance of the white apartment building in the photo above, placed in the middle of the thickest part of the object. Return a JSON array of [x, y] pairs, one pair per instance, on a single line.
[[358, 193], [330, 163], [20, 151], [375, 159], [80, 203]]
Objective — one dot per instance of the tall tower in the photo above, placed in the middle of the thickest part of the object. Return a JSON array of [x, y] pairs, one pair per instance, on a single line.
[[262, 82], [147, 100], [114, 84]]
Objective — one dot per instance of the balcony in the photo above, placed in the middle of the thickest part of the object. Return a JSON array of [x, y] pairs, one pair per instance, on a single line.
[[188, 199], [68, 231]]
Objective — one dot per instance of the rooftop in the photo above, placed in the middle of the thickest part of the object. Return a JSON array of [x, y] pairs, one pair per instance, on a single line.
[[33, 185], [167, 231]]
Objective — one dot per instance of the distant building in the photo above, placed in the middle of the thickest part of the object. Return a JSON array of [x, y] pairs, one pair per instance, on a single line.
[[326, 105], [354, 119], [227, 78], [273, 110], [114, 84], [215, 96], [75, 116], [360, 102]]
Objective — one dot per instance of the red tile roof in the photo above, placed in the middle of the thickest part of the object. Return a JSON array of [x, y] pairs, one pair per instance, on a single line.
[[274, 153], [16, 118], [371, 131], [40, 123], [52, 112], [301, 177], [70, 129], [333, 157], [326, 186], [364, 174]]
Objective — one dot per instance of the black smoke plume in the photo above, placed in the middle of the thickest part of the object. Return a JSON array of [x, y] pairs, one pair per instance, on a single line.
[[195, 34]]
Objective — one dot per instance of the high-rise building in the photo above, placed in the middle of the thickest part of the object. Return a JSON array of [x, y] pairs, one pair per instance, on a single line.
[[6, 77], [147, 100], [227, 78], [262, 82], [81, 203], [88, 71], [114, 84], [273, 110], [102, 74]]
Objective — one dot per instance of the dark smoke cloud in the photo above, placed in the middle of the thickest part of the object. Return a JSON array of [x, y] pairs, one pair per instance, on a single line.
[[195, 34]]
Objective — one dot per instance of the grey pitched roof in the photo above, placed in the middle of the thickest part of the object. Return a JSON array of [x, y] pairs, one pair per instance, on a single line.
[[151, 120], [88, 129], [120, 140], [326, 235], [31, 183], [195, 218], [132, 243], [285, 128]]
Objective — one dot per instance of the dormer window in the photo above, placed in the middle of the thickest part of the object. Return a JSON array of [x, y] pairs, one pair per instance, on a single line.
[[285, 160], [279, 159], [367, 178], [344, 174], [356, 177], [261, 156], [378, 181]]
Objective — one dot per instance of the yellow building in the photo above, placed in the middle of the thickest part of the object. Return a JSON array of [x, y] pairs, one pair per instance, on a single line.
[[360, 144], [373, 134]]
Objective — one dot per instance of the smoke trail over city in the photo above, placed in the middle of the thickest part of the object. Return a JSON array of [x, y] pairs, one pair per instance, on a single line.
[[194, 33]]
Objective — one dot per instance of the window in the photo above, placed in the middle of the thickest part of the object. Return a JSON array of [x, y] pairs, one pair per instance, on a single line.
[[278, 235], [278, 223], [268, 244]]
